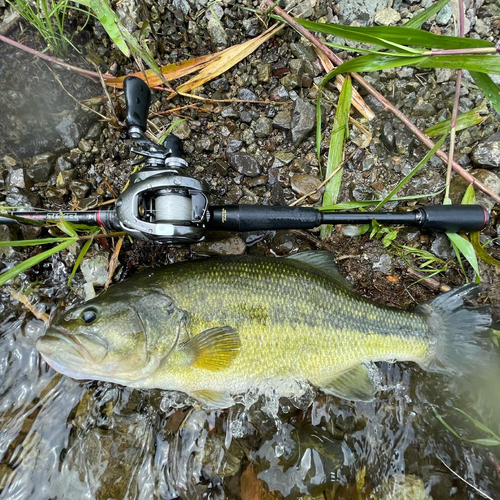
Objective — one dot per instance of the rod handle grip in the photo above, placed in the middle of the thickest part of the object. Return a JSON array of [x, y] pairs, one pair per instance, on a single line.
[[453, 218], [137, 100]]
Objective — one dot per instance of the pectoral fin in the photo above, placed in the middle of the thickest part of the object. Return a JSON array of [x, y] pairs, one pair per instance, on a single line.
[[354, 384], [213, 349], [214, 399]]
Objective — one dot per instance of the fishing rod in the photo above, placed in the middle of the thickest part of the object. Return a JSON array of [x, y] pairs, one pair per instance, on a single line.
[[164, 204]]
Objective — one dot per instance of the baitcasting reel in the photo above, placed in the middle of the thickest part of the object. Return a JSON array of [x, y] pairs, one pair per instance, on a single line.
[[162, 203]]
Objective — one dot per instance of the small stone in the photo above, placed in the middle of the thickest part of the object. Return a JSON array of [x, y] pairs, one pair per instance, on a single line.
[[182, 5], [279, 94], [221, 84], [9, 162], [31, 232], [260, 180], [303, 121], [263, 127], [284, 158], [387, 17], [64, 178], [245, 164], [204, 144], [79, 188], [229, 112], [40, 172], [95, 269], [233, 194], [291, 81], [443, 17], [55, 195], [384, 264], [62, 164], [487, 152], [283, 243], [215, 11], [265, 73], [248, 136], [303, 184], [221, 167], [69, 132], [441, 246], [233, 146], [252, 26], [94, 132], [182, 131], [16, 179], [5, 251], [489, 178], [43, 158], [217, 33], [246, 95], [304, 52], [89, 203], [283, 119], [423, 108], [85, 146], [18, 197], [387, 136], [445, 74], [220, 243]]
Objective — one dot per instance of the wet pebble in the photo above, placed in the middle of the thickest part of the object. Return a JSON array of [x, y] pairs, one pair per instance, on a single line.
[[304, 183], [18, 197], [303, 121], [443, 17], [263, 127], [283, 243], [94, 132], [291, 81], [69, 132], [62, 164], [384, 264], [221, 84], [17, 178], [303, 51], [64, 178], [424, 109], [248, 136], [233, 146], [220, 243], [487, 152], [95, 269], [79, 188], [252, 26]]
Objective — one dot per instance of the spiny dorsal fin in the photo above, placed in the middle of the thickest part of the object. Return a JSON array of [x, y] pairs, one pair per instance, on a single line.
[[213, 349], [354, 384], [213, 399], [324, 262]]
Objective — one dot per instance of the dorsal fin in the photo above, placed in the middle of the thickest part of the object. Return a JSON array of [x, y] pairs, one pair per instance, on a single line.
[[323, 262]]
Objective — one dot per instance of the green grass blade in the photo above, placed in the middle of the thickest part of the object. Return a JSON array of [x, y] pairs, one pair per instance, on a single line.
[[489, 88], [480, 251], [66, 227], [170, 129], [465, 120], [425, 15], [335, 154], [482, 63], [28, 243], [318, 130], [33, 261], [466, 249], [382, 35], [413, 172], [81, 255], [109, 20], [480, 425]]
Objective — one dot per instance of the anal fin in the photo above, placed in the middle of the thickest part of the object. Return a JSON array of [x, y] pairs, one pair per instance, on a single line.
[[213, 399], [354, 384]]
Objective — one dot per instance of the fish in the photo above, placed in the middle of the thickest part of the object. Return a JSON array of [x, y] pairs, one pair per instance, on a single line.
[[215, 328]]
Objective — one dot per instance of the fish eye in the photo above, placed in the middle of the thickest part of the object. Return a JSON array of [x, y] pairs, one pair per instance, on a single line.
[[89, 316]]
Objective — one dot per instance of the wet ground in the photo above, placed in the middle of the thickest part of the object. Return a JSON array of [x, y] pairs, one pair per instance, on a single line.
[[61, 438]]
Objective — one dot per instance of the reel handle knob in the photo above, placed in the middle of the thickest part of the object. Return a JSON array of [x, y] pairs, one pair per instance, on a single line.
[[137, 100]]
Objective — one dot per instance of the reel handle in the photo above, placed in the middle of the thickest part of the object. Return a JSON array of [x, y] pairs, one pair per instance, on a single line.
[[137, 100]]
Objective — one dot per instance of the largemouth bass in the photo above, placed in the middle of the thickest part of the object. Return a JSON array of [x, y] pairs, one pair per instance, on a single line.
[[215, 328]]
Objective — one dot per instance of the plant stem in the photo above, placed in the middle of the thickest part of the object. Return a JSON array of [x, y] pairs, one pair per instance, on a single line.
[[450, 52], [51, 59], [387, 104]]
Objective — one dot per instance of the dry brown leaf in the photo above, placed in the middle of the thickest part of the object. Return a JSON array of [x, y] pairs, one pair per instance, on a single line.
[[227, 59], [357, 101], [114, 261], [26, 303], [252, 487]]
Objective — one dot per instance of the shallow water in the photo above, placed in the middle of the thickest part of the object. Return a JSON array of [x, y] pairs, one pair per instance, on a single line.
[[62, 438]]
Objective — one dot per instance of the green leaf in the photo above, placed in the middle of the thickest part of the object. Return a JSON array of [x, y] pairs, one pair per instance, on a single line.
[[66, 227], [425, 15], [480, 251], [33, 261], [82, 254], [28, 243], [465, 120], [469, 197], [411, 174], [387, 36], [465, 247], [389, 237], [339, 134], [489, 88], [480, 425]]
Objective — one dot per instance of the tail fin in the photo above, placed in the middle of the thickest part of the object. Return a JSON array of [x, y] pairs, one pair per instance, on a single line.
[[461, 339]]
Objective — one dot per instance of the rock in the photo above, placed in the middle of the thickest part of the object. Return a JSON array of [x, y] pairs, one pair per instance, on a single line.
[[204, 144], [441, 246], [302, 184], [279, 94], [248, 136], [443, 17], [246, 95], [384, 264], [229, 112], [18, 197], [95, 269], [252, 26], [17, 178], [291, 81], [221, 167], [387, 17], [245, 116], [263, 127], [94, 132], [402, 487], [283, 119], [5, 236], [303, 120], [62, 164], [64, 178], [304, 52], [360, 11], [85, 146], [233, 146], [221, 84], [445, 74], [55, 195], [217, 33], [245, 164], [487, 177], [283, 243], [39, 173], [265, 73], [69, 132], [487, 152], [79, 188], [181, 5], [424, 108], [284, 158], [387, 136], [183, 130], [9, 162], [220, 243]]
